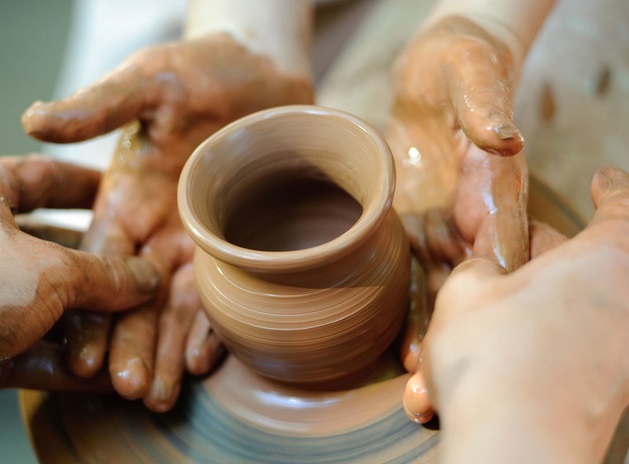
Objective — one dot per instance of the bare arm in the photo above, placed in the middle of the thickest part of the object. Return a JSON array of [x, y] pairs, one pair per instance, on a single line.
[[514, 22], [278, 29]]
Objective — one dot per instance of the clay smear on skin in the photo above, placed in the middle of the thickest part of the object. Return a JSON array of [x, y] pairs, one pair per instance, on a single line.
[[21, 288]]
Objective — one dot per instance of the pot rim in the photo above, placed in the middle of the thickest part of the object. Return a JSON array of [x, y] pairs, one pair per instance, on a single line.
[[293, 260]]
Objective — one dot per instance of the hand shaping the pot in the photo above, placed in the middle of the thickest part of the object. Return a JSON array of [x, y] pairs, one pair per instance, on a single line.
[[532, 366], [39, 280], [462, 186], [455, 144], [168, 98]]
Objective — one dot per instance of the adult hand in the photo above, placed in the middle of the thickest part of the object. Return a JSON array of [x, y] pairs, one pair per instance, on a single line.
[[532, 366], [40, 280], [462, 186], [168, 98]]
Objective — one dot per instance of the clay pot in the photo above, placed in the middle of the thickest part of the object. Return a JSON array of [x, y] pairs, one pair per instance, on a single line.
[[301, 263]]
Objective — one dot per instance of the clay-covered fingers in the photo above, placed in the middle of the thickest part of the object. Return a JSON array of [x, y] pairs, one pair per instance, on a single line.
[[204, 348], [51, 279], [103, 283], [434, 237], [436, 366], [36, 181], [490, 207], [149, 345], [43, 367], [416, 401], [417, 319], [132, 351], [111, 102], [479, 79], [134, 335], [88, 333], [174, 326], [87, 338]]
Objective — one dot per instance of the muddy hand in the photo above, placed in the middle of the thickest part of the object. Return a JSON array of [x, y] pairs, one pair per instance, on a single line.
[[169, 98], [43, 367], [40, 279], [180, 93], [455, 142], [461, 183]]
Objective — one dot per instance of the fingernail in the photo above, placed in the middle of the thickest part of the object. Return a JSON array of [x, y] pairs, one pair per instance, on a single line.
[[418, 417], [131, 381], [144, 274], [506, 131], [160, 390], [422, 418]]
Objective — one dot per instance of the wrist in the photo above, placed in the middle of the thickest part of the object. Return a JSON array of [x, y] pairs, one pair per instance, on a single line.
[[515, 24], [279, 29]]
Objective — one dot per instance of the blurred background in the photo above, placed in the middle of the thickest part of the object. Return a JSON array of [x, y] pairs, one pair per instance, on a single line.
[[33, 36], [572, 103]]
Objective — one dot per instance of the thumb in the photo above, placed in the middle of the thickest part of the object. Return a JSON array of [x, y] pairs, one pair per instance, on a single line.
[[107, 283], [610, 186]]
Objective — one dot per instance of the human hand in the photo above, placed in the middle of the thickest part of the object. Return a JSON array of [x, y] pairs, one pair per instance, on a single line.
[[534, 361], [168, 98], [455, 142], [462, 186], [40, 280]]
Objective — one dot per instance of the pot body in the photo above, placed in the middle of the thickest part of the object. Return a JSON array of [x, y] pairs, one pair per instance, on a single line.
[[301, 263]]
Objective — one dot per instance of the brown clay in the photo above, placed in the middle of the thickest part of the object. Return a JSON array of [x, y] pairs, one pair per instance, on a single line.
[[302, 265]]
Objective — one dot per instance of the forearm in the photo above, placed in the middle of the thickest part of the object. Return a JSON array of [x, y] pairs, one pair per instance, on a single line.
[[516, 23], [279, 29]]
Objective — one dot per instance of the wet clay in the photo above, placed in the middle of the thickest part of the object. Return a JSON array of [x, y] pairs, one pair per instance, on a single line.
[[297, 212], [302, 265]]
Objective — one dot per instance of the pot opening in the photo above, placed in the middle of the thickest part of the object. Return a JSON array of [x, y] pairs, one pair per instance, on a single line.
[[289, 211]]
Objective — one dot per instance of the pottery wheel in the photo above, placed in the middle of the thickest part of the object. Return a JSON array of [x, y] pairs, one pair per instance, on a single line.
[[235, 416]]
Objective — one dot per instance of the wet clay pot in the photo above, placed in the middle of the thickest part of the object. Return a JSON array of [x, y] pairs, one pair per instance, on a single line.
[[301, 263]]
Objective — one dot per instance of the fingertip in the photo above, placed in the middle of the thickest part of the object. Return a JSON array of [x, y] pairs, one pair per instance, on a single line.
[[85, 360], [35, 118], [144, 275], [132, 380], [502, 138], [606, 181], [202, 356], [416, 402], [86, 341], [162, 395]]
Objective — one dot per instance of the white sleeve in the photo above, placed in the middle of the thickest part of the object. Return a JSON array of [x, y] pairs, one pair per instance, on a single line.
[[515, 22], [280, 29]]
